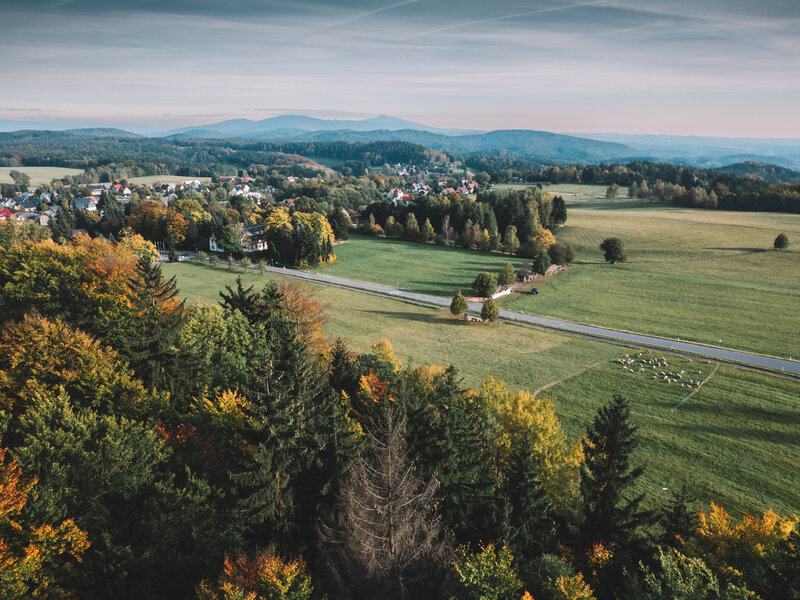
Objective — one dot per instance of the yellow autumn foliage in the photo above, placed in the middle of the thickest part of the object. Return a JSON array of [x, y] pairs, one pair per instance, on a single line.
[[520, 412]]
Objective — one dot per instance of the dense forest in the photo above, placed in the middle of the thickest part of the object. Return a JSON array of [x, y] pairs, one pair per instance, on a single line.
[[152, 449], [193, 157]]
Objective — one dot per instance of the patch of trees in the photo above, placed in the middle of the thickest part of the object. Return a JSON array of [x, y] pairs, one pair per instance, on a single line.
[[152, 449], [517, 222]]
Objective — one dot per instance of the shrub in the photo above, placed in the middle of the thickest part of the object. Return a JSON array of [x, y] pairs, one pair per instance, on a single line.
[[781, 242]]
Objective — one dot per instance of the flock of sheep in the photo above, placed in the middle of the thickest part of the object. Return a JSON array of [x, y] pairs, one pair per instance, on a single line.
[[656, 366]]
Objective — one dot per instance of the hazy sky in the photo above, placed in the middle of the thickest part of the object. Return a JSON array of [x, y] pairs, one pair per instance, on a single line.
[[705, 67]]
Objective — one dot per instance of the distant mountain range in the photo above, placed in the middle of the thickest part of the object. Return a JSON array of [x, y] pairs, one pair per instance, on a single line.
[[705, 152], [709, 151], [297, 123]]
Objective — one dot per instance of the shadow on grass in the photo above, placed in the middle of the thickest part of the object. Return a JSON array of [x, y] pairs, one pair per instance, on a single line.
[[740, 249], [781, 417], [431, 319]]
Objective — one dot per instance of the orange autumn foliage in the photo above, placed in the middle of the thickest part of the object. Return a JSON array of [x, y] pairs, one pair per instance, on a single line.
[[264, 577], [33, 563]]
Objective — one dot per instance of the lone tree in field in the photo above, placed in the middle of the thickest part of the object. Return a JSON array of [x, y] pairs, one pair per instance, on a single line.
[[484, 284], [612, 192], [459, 305], [507, 275], [614, 250], [389, 541], [489, 310], [245, 262], [781, 242]]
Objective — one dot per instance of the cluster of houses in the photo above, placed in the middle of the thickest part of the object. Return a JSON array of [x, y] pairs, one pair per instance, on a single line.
[[423, 189]]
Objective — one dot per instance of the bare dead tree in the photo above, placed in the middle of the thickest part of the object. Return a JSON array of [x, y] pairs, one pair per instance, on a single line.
[[389, 541]]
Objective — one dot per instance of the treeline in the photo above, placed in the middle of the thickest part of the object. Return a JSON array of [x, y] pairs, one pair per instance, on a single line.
[[513, 221], [746, 186], [192, 157], [152, 449]]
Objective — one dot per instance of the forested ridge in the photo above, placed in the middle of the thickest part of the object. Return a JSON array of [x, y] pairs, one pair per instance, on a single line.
[[155, 449]]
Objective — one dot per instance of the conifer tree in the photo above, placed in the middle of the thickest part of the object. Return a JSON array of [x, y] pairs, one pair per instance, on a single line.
[[489, 310], [507, 275], [157, 317], [459, 304], [527, 525], [389, 542], [64, 223], [612, 513]]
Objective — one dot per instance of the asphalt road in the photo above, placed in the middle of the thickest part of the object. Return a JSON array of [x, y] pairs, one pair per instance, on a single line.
[[724, 355]]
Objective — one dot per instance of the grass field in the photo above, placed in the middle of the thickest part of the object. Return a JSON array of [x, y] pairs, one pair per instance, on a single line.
[[422, 268], [699, 275], [151, 179], [38, 175], [735, 440]]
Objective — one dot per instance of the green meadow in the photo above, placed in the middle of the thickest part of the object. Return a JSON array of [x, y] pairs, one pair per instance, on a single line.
[[735, 440], [700, 275], [38, 175]]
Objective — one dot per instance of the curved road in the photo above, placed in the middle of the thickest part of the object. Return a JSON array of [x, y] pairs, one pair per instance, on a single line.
[[760, 362]]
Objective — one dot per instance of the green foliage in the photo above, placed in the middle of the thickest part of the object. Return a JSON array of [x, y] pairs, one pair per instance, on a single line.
[[528, 528], [451, 433], [157, 317], [507, 275], [680, 578], [489, 310], [561, 255], [612, 512], [510, 240], [340, 224], [541, 262], [484, 284], [458, 306], [149, 534], [558, 213], [614, 250], [228, 241], [201, 257], [487, 575], [781, 242]]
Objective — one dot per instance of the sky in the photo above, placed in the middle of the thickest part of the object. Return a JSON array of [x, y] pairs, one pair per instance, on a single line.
[[683, 67]]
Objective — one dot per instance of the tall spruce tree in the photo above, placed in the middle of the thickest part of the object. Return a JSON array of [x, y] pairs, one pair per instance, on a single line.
[[612, 512], [450, 433], [151, 346], [527, 525]]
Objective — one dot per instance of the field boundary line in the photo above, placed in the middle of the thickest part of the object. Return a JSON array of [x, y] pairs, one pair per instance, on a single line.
[[568, 377], [699, 387]]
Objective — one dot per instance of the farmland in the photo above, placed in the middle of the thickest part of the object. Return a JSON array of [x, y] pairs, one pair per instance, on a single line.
[[38, 175], [734, 440], [422, 268], [151, 179], [705, 276]]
